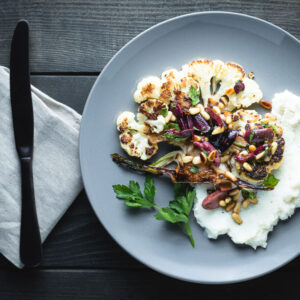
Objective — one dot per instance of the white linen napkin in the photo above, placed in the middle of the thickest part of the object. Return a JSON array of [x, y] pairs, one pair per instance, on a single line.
[[56, 171]]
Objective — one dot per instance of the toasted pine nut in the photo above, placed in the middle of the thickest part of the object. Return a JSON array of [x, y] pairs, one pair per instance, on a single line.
[[274, 147], [221, 105], [186, 159], [230, 176], [245, 203], [194, 110], [252, 148], [230, 126], [222, 203], [247, 167], [212, 155], [197, 138], [203, 157], [237, 207], [237, 218], [224, 101], [204, 114], [197, 160], [227, 200], [218, 130], [244, 153], [254, 200], [260, 155], [228, 120], [216, 109], [224, 158], [238, 166], [173, 118], [229, 207], [168, 117]]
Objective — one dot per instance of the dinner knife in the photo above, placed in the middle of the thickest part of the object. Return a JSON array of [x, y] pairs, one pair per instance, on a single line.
[[22, 116]]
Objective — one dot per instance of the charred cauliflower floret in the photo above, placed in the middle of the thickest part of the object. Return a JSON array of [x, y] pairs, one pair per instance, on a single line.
[[214, 80], [137, 144], [153, 113]]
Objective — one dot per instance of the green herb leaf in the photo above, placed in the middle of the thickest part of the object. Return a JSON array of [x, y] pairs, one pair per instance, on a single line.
[[251, 136], [133, 193], [173, 104], [149, 190], [266, 125], [248, 194], [194, 169], [168, 214], [239, 144], [194, 94], [274, 128], [174, 137], [178, 210], [270, 181], [172, 125], [164, 112], [269, 125]]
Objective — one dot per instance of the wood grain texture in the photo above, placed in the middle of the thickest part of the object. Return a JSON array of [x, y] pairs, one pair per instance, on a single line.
[[81, 36], [137, 285]]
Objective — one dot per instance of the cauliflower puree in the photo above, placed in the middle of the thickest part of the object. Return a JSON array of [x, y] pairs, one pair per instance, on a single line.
[[275, 205]]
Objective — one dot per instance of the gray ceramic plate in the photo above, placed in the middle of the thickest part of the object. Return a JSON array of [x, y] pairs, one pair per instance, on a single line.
[[274, 56]]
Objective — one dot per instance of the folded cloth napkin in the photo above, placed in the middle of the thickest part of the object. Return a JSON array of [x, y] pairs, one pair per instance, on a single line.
[[56, 171]]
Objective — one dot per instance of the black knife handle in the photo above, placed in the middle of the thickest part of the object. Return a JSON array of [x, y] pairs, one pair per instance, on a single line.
[[30, 239]]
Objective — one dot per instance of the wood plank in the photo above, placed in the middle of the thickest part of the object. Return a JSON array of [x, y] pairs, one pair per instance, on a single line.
[[81, 36], [136, 285]]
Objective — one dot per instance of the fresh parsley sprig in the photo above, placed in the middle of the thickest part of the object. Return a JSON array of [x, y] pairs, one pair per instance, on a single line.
[[177, 212]]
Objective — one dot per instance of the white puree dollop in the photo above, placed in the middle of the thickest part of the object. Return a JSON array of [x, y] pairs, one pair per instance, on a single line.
[[279, 204]]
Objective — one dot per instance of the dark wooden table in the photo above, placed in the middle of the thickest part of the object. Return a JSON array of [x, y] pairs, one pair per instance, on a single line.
[[71, 41]]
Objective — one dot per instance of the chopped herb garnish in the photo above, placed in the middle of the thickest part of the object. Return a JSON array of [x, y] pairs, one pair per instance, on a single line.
[[239, 144], [194, 169], [174, 137], [251, 136], [194, 94], [274, 128], [270, 181], [248, 194], [171, 126], [164, 112], [266, 125], [173, 104], [178, 210], [269, 126]]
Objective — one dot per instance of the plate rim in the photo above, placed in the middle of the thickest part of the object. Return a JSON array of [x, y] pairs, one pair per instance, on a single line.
[[166, 273]]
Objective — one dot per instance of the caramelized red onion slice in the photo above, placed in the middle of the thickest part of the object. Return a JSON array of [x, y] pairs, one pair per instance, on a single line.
[[224, 140], [259, 135], [214, 116], [200, 123], [212, 200]]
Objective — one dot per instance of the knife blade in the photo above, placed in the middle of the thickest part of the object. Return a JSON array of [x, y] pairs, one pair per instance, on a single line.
[[23, 125]]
